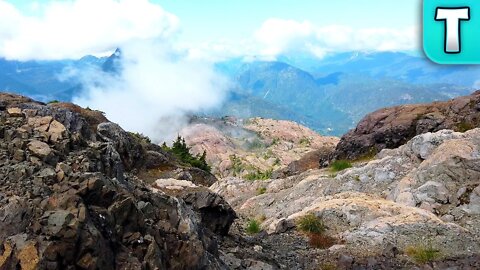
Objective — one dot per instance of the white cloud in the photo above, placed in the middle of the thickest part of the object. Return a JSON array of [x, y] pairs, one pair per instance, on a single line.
[[154, 91], [72, 29], [278, 36], [156, 86]]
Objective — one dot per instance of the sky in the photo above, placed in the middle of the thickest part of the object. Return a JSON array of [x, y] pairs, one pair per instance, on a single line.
[[237, 19], [211, 29]]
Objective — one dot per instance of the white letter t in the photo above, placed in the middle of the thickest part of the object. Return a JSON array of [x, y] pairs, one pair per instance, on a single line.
[[452, 18]]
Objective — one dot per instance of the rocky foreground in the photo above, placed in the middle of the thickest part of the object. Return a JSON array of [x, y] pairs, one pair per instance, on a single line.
[[71, 196], [78, 192], [426, 191]]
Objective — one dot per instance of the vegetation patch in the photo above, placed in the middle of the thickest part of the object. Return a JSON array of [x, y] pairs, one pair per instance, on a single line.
[[180, 150], [259, 175], [261, 190], [268, 154], [464, 126], [328, 266], [253, 226], [370, 155], [322, 241], [423, 254], [277, 162], [237, 165], [254, 144], [311, 224], [314, 228], [305, 141], [275, 141], [140, 138], [340, 165]]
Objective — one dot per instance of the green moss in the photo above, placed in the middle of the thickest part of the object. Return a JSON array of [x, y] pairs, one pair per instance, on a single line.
[[423, 254], [340, 165], [261, 190]]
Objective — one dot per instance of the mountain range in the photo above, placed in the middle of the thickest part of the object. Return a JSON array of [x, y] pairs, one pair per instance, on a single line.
[[329, 95]]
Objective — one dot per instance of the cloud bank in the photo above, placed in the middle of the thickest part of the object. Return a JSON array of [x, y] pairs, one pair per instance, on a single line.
[[72, 29], [278, 36]]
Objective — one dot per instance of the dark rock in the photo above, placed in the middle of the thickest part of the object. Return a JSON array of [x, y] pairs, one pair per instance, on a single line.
[[215, 213], [394, 126], [308, 162], [73, 199]]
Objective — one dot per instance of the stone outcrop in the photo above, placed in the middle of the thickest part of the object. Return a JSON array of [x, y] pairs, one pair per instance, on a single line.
[[394, 126], [72, 196]]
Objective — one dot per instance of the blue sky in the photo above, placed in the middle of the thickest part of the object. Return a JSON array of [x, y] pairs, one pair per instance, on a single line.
[[240, 18], [211, 29]]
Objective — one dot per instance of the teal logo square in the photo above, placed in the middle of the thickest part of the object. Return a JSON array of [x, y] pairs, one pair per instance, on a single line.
[[451, 31]]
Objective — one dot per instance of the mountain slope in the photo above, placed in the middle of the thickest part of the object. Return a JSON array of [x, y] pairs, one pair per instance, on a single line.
[[244, 147], [335, 101]]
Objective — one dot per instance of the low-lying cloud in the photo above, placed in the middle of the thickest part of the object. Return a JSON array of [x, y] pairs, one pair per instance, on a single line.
[[154, 90]]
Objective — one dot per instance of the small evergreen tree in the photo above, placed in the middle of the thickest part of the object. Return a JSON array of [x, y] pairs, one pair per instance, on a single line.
[[182, 152]]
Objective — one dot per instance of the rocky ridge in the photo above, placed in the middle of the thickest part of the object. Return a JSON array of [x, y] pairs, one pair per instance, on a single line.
[[394, 126]]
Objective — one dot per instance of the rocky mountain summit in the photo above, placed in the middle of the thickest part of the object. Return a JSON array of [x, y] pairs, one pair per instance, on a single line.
[[75, 194]]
